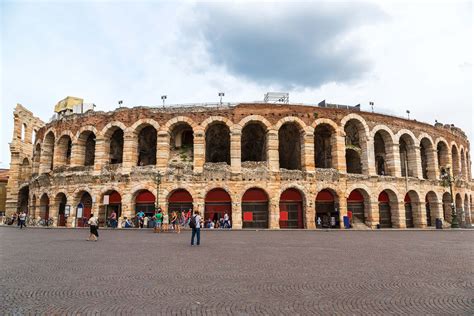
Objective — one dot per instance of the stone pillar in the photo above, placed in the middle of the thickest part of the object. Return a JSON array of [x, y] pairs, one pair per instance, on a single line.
[[101, 157], [396, 167], [342, 209], [307, 150], [371, 157], [77, 158], [338, 153], [450, 161], [274, 214], [272, 151], [310, 213], [163, 150], [129, 152], [433, 170], [419, 215], [398, 214], [199, 151], [371, 213], [236, 215], [235, 151], [414, 161]]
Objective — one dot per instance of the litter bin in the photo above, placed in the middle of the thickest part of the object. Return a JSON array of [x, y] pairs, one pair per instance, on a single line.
[[439, 223], [347, 223], [378, 226]]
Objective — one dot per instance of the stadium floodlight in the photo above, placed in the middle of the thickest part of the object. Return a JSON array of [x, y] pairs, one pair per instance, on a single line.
[[221, 94], [163, 98]]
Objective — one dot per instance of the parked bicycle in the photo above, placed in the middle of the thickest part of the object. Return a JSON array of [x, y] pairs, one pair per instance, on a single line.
[[45, 222]]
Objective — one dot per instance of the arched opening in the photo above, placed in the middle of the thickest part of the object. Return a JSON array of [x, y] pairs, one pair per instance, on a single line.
[[83, 209], [253, 143], [25, 170], [385, 208], [383, 147], [289, 146], [23, 132], [32, 210], [116, 146], [431, 207], [447, 209], [218, 143], [463, 165], [255, 209], [147, 146], [145, 202], [86, 145], [23, 199], [407, 156], [182, 143], [217, 204], [427, 159], [355, 146], [408, 212], [44, 207], [61, 201], [443, 155], [180, 200], [112, 202], [64, 151], [291, 209], [358, 202], [48, 153], [324, 146], [327, 214], [455, 158]]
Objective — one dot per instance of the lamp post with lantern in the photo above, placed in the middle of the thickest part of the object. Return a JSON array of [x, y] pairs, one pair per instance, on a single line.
[[448, 181]]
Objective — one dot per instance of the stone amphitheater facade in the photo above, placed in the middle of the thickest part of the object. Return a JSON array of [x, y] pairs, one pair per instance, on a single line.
[[267, 165]]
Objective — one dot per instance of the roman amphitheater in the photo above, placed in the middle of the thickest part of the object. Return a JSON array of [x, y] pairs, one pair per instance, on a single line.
[[266, 165]]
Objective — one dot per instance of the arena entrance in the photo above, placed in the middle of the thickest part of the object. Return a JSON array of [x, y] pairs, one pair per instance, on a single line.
[[44, 207], [291, 209], [385, 213], [86, 203], [327, 215], [114, 205], [355, 204], [23, 199], [408, 212], [180, 200], [61, 202], [145, 202], [217, 203], [255, 209]]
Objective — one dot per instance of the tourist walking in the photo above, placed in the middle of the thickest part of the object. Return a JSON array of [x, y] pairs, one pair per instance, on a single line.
[[174, 222], [93, 223], [195, 224], [141, 220], [113, 219], [22, 219], [158, 220], [226, 221]]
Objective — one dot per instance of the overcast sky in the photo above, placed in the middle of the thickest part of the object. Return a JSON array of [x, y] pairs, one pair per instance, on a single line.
[[411, 55]]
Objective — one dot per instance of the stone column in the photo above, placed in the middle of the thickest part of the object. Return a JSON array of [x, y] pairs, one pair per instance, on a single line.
[[414, 161], [101, 157], [163, 150], [398, 214], [274, 214], [307, 151], [450, 161], [77, 158], [433, 170], [129, 152], [419, 215], [235, 151], [371, 157], [272, 151], [396, 167], [342, 209], [338, 153], [371, 213], [236, 215], [199, 151], [310, 214]]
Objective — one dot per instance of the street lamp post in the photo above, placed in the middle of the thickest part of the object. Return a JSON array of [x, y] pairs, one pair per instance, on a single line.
[[446, 176]]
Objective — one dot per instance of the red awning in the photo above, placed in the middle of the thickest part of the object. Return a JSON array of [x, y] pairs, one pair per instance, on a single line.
[[355, 196], [325, 196], [291, 195], [145, 197], [218, 195], [180, 196], [255, 195]]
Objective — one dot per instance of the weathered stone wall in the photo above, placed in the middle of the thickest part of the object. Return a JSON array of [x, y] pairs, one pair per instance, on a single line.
[[199, 177]]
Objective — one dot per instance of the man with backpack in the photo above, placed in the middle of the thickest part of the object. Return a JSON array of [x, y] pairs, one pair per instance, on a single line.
[[195, 225]]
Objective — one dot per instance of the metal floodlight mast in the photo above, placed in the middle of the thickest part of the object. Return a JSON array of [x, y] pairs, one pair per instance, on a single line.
[[221, 94], [163, 98]]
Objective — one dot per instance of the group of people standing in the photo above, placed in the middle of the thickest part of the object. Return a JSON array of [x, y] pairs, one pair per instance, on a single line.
[[20, 218]]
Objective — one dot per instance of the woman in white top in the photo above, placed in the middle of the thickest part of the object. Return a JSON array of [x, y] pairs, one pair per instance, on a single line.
[[93, 223], [166, 221]]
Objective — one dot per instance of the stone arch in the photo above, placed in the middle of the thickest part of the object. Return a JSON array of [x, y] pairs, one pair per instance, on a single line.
[[36, 161], [47, 155], [64, 149], [459, 208], [389, 215], [85, 146], [428, 158], [44, 206], [254, 140], [356, 133], [256, 119], [433, 208], [327, 203], [170, 124], [413, 214], [448, 202], [25, 169], [180, 136], [140, 124], [59, 208], [214, 119], [407, 149], [463, 167], [384, 154], [255, 204], [292, 206], [108, 129], [361, 210], [217, 141], [113, 135], [291, 119], [467, 211], [456, 167], [442, 152], [291, 143], [326, 132]]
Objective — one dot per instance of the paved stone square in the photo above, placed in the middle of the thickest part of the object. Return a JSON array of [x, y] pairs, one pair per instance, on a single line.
[[56, 271]]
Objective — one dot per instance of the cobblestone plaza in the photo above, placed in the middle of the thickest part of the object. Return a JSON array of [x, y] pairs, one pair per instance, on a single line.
[[56, 271]]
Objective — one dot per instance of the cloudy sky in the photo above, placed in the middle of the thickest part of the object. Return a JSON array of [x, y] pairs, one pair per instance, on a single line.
[[414, 55]]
